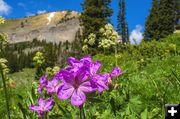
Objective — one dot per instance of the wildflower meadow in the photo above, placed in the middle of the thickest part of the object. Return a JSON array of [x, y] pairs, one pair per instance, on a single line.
[[100, 74]]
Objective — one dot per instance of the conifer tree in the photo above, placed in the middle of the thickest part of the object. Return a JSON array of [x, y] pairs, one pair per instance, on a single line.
[[122, 26], [96, 14], [177, 10], [127, 33], [167, 17], [151, 25]]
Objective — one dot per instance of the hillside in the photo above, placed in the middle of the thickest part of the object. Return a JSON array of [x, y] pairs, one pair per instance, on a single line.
[[150, 80], [52, 26]]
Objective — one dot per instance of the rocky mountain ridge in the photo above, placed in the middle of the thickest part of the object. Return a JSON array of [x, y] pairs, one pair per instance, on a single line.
[[52, 27]]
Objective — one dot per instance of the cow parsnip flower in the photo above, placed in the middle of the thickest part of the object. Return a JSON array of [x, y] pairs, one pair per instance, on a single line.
[[91, 39], [39, 58], [2, 20], [109, 37], [55, 69], [3, 65], [85, 48]]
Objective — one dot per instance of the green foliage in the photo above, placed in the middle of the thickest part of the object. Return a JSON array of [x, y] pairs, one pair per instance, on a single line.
[[66, 17], [150, 80], [147, 84], [122, 26], [162, 19], [167, 17], [95, 15], [151, 26]]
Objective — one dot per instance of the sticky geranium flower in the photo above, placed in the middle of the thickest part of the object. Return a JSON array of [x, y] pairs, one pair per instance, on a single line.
[[74, 86], [116, 72], [100, 82], [43, 82], [43, 106], [52, 85], [75, 63], [94, 67]]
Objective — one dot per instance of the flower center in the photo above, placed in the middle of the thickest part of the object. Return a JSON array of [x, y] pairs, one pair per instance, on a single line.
[[76, 83]]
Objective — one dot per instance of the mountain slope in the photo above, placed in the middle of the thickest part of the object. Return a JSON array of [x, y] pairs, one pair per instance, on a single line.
[[52, 27]]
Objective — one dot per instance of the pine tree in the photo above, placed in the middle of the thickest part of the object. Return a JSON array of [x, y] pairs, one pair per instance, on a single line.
[[127, 33], [122, 26], [96, 14], [151, 25], [167, 17], [177, 10]]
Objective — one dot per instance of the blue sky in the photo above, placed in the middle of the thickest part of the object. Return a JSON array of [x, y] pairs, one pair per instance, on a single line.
[[136, 10]]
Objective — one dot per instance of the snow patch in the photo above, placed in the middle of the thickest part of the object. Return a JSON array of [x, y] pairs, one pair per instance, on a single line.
[[49, 18]]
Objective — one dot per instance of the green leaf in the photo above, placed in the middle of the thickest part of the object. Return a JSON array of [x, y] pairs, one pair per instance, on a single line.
[[113, 105], [23, 110], [95, 100], [66, 112], [144, 114]]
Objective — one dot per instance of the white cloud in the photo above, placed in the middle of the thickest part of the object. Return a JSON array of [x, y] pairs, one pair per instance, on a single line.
[[41, 11], [4, 8], [136, 35], [29, 14]]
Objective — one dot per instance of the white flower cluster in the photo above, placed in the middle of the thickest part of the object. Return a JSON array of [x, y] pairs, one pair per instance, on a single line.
[[89, 41], [109, 36], [2, 20], [3, 65], [39, 59], [85, 48]]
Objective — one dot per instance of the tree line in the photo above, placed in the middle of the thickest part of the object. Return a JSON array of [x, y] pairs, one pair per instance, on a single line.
[[20, 55], [163, 18]]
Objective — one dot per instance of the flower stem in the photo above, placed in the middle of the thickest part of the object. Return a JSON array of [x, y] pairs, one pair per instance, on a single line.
[[116, 55], [6, 93], [82, 114], [80, 110]]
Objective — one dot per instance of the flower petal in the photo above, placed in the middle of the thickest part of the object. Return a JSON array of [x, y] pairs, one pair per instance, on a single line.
[[95, 67], [34, 108], [43, 80], [86, 58], [82, 74], [49, 104], [86, 87], [73, 61], [100, 81], [65, 91], [116, 72], [78, 98], [67, 77], [41, 102]]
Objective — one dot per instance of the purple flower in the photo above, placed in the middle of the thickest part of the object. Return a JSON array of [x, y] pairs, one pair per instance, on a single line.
[[116, 72], [52, 85], [43, 106], [43, 82], [94, 67], [74, 86], [100, 82], [86, 61]]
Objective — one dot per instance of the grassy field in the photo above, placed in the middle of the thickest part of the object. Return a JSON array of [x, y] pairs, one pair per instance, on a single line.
[[150, 80]]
